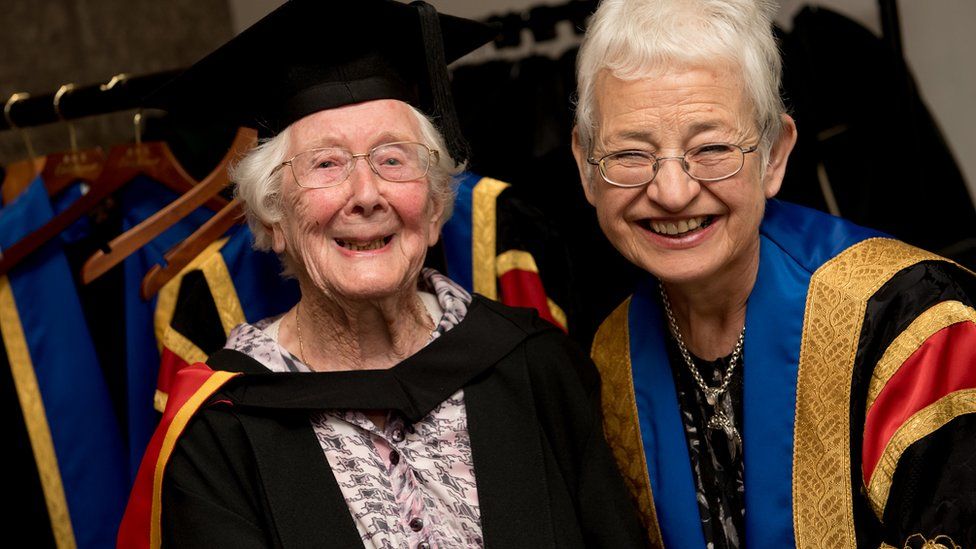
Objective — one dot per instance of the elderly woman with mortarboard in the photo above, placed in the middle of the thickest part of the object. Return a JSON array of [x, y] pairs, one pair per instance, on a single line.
[[388, 408], [781, 377]]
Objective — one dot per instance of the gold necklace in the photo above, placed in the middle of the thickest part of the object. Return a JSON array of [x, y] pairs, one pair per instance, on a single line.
[[301, 345], [719, 420]]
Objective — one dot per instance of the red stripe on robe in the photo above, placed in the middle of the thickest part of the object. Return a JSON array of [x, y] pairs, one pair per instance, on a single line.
[[941, 365], [134, 531], [170, 364], [520, 288]]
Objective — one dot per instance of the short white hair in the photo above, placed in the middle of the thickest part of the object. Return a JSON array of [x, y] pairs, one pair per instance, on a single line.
[[631, 39], [259, 180]]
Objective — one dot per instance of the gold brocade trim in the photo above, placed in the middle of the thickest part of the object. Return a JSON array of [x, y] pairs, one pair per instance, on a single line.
[[515, 259], [35, 417], [923, 423], [209, 387], [940, 541], [224, 293], [839, 290], [159, 401], [611, 353], [211, 263], [166, 300], [557, 313], [524, 261], [182, 347], [484, 236], [934, 319]]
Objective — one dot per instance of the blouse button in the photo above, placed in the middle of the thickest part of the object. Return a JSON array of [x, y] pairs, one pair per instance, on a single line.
[[394, 457], [423, 545], [397, 435], [416, 524]]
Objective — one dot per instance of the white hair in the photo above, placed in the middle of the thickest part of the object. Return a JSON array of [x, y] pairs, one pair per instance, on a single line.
[[632, 39], [258, 179]]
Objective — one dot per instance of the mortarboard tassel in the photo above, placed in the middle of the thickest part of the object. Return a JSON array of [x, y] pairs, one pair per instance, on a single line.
[[440, 89]]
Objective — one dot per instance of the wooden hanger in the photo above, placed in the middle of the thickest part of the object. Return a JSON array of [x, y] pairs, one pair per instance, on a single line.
[[59, 171], [179, 256], [27, 245], [64, 168], [18, 175], [153, 159], [124, 245]]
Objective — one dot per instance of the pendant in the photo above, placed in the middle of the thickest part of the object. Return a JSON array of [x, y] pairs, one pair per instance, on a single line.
[[710, 398], [721, 422]]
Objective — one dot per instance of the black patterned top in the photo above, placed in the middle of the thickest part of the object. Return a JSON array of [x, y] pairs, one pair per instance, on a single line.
[[716, 459]]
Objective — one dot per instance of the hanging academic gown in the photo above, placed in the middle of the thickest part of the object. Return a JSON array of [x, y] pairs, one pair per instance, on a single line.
[[227, 284], [503, 249], [141, 198], [859, 109], [67, 483], [236, 456], [859, 395]]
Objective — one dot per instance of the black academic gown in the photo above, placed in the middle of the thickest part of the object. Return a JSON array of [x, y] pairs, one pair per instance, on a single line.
[[249, 472]]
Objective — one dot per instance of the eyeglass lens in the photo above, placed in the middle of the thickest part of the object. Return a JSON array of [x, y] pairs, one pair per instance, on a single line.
[[708, 163], [397, 162]]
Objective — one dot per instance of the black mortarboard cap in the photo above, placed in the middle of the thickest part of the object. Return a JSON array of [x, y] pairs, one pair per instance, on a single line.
[[312, 55]]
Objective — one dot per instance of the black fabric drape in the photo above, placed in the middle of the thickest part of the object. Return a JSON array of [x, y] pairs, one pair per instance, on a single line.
[[863, 123]]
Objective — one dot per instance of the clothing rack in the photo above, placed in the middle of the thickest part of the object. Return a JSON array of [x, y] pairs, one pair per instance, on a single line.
[[891, 25], [541, 21], [128, 93], [120, 94]]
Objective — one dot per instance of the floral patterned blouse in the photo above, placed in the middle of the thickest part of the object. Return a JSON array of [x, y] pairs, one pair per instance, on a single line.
[[406, 485]]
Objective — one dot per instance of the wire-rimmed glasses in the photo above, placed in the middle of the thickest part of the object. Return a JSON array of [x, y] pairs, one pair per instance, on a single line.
[[706, 163], [326, 167]]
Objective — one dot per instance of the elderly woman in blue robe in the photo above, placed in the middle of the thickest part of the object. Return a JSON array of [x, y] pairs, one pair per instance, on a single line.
[[780, 377]]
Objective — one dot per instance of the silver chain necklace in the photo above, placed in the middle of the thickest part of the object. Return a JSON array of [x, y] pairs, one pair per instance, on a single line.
[[719, 419]]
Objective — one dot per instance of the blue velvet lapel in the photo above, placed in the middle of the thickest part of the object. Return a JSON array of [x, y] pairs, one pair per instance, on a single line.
[[774, 324], [665, 447]]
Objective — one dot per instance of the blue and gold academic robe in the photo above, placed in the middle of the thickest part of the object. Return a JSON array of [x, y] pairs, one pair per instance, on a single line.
[[227, 284], [859, 395], [496, 245], [67, 479]]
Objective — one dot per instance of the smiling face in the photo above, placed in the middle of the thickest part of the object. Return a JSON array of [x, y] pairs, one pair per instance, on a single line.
[[365, 238], [677, 228]]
